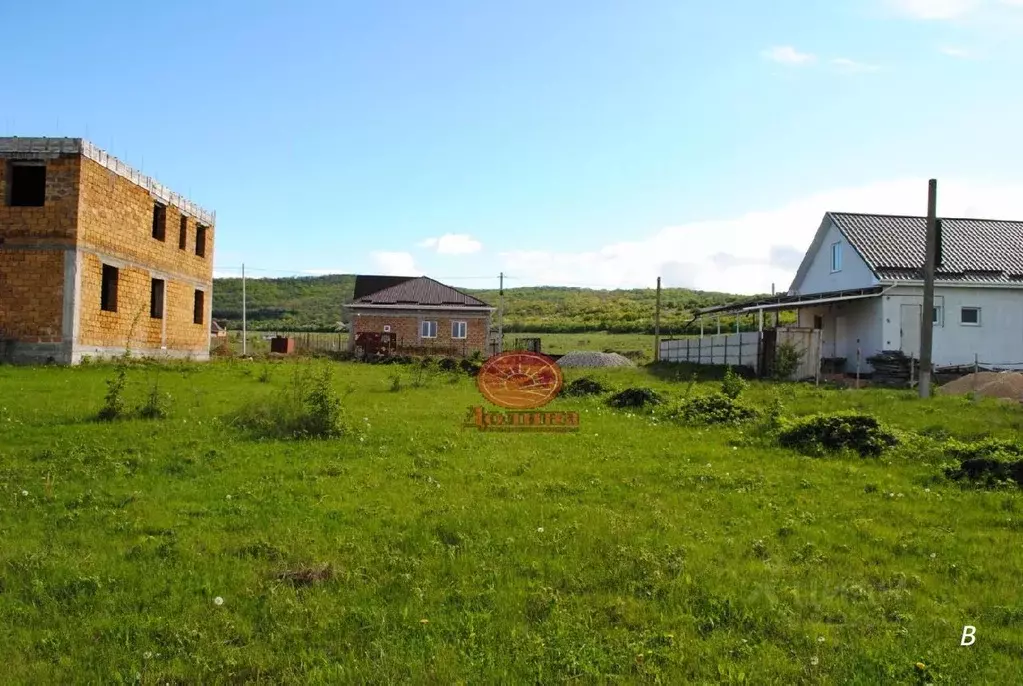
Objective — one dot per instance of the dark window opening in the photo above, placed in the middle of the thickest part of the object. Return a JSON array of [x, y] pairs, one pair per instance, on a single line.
[[28, 185], [197, 309], [156, 299], [183, 234], [818, 321], [159, 222], [200, 240], [108, 295]]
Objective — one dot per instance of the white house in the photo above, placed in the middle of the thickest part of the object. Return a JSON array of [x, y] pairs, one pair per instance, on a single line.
[[860, 283]]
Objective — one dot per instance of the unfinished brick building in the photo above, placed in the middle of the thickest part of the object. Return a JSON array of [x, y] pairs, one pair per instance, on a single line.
[[97, 259]]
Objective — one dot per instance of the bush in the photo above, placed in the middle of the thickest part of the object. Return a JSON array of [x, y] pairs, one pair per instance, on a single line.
[[733, 385], [716, 408], [824, 433], [585, 386], [989, 463], [156, 404], [786, 361], [634, 397], [306, 409], [471, 366], [447, 364]]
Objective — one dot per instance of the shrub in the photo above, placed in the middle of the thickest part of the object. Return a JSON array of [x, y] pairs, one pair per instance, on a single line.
[[988, 463], [447, 364], [786, 361], [822, 433], [635, 397], [113, 402], [715, 408], [395, 382], [305, 409], [733, 385], [585, 386], [471, 366], [156, 404]]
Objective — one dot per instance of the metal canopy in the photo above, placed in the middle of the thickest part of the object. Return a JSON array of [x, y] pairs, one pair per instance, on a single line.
[[787, 301]]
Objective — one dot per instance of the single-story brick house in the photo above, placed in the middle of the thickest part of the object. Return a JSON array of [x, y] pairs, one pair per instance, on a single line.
[[418, 315]]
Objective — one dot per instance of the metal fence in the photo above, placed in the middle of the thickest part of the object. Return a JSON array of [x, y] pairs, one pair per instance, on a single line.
[[735, 349]]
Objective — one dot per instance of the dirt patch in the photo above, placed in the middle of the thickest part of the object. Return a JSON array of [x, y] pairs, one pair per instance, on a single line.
[[1007, 385]]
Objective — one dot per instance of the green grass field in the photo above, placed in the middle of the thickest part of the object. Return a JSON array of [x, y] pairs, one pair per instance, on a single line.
[[636, 550]]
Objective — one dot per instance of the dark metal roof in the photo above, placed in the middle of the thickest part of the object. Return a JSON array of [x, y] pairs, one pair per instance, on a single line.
[[793, 300], [972, 250], [367, 284], [421, 290]]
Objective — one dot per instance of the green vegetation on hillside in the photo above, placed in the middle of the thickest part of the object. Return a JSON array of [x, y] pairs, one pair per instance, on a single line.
[[314, 304], [192, 549]]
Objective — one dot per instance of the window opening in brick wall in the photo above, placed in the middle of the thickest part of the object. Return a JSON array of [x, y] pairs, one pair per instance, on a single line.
[[428, 330], [200, 240], [108, 293], [28, 185], [197, 308], [156, 288], [183, 234], [159, 222], [458, 329]]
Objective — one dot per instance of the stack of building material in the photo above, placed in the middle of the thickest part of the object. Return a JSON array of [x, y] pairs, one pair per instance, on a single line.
[[892, 367]]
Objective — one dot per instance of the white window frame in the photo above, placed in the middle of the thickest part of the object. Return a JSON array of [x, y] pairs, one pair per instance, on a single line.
[[970, 307], [938, 315], [387, 328], [836, 252], [427, 325], [459, 326]]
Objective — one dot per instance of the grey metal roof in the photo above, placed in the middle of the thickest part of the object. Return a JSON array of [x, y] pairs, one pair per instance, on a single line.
[[420, 291], [972, 250]]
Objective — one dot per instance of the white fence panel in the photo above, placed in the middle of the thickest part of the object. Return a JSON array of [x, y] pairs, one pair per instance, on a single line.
[[735, 349]]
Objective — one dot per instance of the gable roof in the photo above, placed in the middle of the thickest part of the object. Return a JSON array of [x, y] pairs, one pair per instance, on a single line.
[[215, 326], [417, 291], [981, 251]]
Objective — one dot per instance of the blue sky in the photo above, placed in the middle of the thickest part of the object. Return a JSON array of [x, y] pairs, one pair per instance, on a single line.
[[595, 143]]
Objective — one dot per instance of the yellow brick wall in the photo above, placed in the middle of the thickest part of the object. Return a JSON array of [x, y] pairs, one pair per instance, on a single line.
[[55, 220], [31, 295], [115, 221]]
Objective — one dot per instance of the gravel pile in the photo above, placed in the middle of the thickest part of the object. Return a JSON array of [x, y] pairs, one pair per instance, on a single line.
[[592, 358]]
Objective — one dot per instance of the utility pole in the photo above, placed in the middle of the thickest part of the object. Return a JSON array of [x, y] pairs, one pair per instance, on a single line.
[[500, 316], [657, 323], [244, 334], [927, 315]]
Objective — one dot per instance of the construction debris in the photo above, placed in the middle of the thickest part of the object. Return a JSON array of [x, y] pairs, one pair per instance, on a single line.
[[892, 367]]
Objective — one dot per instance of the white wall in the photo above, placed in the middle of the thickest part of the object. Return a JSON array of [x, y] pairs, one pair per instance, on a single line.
[[863, 329], [820, 279], [997, 341]]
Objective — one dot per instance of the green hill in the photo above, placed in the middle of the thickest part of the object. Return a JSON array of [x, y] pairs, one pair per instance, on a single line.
[[314, 304]]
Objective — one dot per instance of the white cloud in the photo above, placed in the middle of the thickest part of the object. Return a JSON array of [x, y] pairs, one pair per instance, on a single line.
[[852, 66], [786, 54], [960, 53], [395, 263], [453, 244], [746, 254], [936, 9]]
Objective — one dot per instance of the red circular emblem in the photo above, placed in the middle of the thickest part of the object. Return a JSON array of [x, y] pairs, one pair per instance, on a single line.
[[519, 380]]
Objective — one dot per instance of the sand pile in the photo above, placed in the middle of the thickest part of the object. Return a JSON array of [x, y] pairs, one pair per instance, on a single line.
[[1008, 385], [591, 358]]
